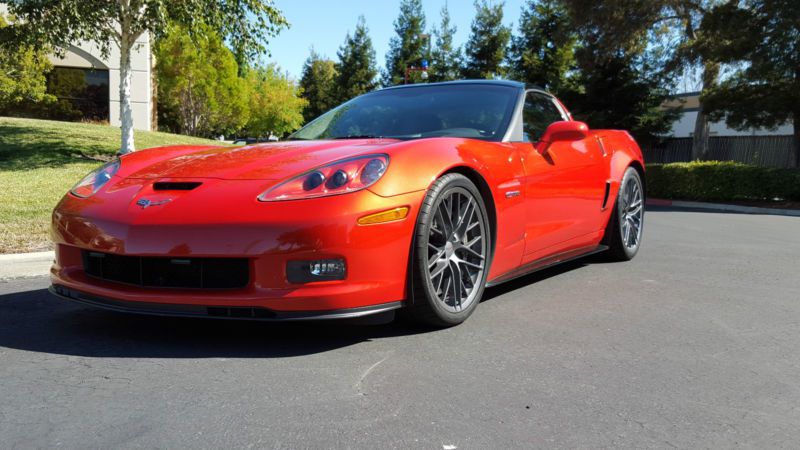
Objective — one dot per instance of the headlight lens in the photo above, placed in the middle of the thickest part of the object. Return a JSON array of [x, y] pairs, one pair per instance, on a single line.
[[341, 177], [92, 183]]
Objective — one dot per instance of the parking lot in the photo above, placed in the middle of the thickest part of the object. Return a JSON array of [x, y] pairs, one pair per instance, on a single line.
[[695, 343]]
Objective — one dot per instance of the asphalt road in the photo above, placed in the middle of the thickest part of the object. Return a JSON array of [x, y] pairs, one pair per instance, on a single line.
[[695, 343]]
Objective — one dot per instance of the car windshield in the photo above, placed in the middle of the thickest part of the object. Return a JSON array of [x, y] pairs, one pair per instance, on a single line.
[[479, 111]]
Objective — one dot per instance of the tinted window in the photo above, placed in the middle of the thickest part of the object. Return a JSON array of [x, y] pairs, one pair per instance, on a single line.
[[464, 110], [82, 94], [538, 114]]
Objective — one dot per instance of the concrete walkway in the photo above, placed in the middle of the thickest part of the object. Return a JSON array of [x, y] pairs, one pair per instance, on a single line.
[[25, 264]]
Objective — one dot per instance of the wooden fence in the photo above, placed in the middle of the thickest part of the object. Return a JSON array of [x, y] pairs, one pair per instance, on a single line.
[[767, 151]]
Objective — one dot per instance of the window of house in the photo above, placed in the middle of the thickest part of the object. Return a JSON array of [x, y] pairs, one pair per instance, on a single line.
[[82, 94]]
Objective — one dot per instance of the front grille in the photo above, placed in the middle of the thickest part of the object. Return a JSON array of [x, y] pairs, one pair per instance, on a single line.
[[157, 272]]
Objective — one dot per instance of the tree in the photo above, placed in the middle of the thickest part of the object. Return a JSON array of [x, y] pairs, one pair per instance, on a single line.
[[621, 78], [275, 106], [486, 47], [202, 94], [318, 85], [544, 51], [356, 68], [246, 24], [616, 93], [625, 23], [409, 46], [23, 71], [762, 37], [446, 59]]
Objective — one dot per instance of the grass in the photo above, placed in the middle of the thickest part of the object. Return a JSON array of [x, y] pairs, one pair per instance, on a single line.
[[40, 160]]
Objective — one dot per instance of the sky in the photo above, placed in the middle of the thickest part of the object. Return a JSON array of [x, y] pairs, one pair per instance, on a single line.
[[323, 24]]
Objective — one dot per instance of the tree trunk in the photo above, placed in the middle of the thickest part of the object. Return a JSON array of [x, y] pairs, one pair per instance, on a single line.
[[125, 110], [701, 125], [153, 87], [700, 136], [796, 127]]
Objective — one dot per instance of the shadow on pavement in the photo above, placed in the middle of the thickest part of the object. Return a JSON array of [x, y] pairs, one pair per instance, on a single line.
[[39, 322]]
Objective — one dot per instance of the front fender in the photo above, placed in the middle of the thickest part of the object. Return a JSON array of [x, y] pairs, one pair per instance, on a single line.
[[415, 165]]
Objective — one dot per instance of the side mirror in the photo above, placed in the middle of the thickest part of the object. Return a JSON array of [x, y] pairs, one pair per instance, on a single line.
[[562, 131]]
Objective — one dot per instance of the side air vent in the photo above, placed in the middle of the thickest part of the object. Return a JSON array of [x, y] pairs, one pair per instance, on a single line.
[[175, 185], [605, 196]]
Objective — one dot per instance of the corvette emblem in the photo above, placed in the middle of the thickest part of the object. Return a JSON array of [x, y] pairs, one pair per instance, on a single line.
[[144, 203]]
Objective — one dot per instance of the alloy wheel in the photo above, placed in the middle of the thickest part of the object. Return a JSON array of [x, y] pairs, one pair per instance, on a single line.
[[631, 213], [457, 249]]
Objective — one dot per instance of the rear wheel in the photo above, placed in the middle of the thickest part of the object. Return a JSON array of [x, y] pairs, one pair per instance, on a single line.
[[451, 249], [624, 231]]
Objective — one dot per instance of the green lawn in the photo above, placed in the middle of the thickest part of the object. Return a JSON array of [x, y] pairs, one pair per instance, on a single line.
[[41, 159]]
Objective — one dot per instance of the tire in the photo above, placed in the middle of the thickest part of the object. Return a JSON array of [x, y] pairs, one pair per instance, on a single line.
[[623, 234], [452, 246]]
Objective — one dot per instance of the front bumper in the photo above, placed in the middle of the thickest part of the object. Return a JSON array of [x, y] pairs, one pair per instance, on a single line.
[[223, 219], [217, 312]]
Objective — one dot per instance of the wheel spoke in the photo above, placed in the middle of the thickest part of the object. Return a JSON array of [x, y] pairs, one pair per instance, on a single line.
[[473, 265], [463, 220], [471, 252], [442, 264], [442, 223], [455, 273]]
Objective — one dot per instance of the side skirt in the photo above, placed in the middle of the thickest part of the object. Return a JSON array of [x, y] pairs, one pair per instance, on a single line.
[[546, 262]]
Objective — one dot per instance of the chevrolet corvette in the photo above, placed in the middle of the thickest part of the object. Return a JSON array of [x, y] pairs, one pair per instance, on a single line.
[[415, 197]]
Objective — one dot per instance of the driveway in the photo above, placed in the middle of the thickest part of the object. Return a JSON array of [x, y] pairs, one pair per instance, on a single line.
[[695, 343]]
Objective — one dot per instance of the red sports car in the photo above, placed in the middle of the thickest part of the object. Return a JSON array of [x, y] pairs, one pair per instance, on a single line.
[[414, 197]]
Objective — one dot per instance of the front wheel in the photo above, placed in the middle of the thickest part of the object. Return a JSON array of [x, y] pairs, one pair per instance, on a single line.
[[451, 253], [624, 230]]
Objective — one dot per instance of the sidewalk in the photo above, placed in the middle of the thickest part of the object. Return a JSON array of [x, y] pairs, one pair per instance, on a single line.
[[723, 207], [25, 264]]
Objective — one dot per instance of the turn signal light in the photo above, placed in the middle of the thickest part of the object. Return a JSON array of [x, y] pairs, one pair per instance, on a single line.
[[384, 216]]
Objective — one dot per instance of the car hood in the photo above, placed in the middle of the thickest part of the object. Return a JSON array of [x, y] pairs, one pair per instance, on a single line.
[[269, 161]]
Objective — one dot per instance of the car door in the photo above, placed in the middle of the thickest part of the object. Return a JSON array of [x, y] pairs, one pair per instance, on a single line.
[[564, 184]]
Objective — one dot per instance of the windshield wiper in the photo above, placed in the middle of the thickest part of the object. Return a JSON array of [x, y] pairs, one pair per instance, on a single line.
[[359, 136]]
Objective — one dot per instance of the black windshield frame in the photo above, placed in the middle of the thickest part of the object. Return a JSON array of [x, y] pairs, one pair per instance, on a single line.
[[502, 111]]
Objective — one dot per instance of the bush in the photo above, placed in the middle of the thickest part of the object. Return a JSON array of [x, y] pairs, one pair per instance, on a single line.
[[722, 181]]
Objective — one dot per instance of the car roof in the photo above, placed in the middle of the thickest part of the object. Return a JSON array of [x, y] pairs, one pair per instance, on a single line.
[[509, 83]]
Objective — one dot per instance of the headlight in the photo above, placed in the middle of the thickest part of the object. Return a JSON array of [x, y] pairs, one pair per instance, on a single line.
[[95, 180], [341, 177]]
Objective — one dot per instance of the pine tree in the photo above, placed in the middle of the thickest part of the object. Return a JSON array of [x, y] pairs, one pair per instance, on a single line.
[[356, 68], [487, 43], [623, 90], [410, 46], [762, 38], [445, 58], [544, 51], [318, 84]]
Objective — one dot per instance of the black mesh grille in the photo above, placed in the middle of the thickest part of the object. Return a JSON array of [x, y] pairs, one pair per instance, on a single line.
[[199, 273]]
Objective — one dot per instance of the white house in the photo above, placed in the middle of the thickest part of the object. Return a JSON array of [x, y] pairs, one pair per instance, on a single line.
[[86, 57], [97, 97], [690, 104]]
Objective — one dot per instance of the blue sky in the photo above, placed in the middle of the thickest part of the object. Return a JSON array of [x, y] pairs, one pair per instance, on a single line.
[[323, 24]]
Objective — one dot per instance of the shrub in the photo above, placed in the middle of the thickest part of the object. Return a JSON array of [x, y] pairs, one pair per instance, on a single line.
[[722, 181]]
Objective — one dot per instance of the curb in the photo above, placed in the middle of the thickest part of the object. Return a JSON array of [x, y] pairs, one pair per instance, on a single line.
[[18, 265], [723, 207]]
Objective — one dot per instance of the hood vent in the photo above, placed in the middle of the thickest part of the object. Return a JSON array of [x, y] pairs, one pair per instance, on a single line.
[[175, 185]]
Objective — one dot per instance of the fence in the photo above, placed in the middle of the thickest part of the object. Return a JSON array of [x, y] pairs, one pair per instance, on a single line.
[[767, 151]]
